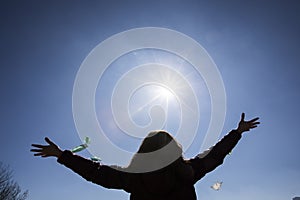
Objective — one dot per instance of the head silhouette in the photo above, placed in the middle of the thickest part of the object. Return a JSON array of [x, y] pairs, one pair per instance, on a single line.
[[156, 140], [157, 151]]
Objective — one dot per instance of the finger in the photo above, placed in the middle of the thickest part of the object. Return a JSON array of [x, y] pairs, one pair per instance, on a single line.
[[38, 154], [253, 126], [39, 146], [255, 123], [45, 156], [36, 150], [49, 141], [243, 117], [253, 120]]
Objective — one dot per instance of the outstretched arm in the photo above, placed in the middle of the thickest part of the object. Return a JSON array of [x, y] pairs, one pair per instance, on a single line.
[[103, 175], [212, 158]]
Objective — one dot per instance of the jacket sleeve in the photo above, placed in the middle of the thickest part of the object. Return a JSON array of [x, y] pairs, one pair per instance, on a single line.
[[214, 156], [106, 176]]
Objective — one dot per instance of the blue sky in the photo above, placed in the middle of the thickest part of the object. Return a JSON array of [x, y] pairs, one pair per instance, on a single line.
[[255, 45]]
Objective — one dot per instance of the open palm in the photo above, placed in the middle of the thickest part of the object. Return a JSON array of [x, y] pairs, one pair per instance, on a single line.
[[46, 150], [247, 125]]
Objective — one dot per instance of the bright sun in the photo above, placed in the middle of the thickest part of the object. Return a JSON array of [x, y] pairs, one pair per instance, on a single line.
[[164, 93]]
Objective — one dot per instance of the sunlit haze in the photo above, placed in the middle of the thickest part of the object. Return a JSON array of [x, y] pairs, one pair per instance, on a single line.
[[255, 46]]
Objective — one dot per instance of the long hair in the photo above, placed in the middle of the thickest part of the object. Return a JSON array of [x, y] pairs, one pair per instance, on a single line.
[[156, 140], [157, 151]]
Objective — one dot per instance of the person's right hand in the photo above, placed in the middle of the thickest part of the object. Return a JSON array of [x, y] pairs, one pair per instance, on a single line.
[[247, 125], [46, 150]]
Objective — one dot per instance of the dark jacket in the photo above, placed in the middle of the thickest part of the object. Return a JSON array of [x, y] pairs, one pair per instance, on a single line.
[[163, 184]]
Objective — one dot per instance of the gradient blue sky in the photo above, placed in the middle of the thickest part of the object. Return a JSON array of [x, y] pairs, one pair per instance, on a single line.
[[255, 45]]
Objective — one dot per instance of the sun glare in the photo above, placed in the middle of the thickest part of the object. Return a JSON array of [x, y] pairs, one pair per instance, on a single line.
[[164, 93]]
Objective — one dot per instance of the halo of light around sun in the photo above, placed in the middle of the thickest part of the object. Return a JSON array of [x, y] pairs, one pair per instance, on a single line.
[[151, 83]]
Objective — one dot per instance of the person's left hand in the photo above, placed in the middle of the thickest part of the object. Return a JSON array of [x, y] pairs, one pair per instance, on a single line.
[[47, 150]]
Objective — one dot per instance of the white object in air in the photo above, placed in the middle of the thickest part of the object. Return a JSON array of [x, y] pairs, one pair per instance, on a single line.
[[217, 186]]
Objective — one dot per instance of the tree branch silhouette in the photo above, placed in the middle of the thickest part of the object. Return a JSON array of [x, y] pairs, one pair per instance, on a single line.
[[9, 189]]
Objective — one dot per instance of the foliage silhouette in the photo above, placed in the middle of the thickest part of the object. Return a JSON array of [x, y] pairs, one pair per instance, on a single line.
[[10, 189]]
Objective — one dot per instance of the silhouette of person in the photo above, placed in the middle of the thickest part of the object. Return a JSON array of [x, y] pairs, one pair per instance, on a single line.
[[172, 182]]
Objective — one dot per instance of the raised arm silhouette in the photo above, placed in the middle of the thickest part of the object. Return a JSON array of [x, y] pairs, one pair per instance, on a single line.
[[174, 181]]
